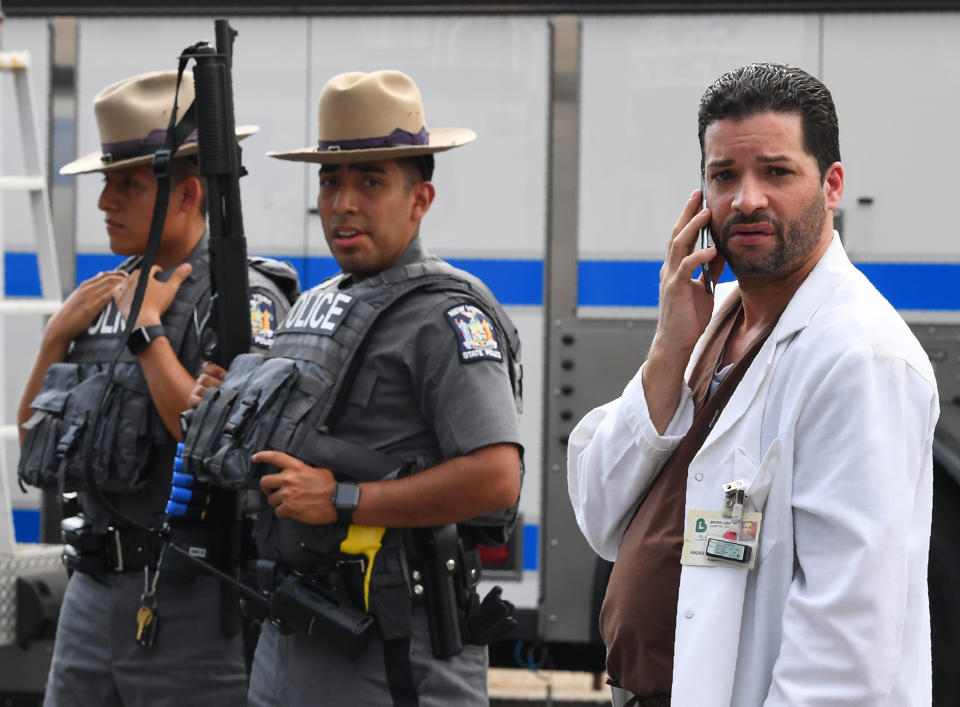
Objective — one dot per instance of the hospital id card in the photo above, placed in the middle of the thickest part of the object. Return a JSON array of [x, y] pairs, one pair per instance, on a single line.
[[711, 539]]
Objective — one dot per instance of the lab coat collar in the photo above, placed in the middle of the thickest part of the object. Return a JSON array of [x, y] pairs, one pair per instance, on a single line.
[[815, 289]]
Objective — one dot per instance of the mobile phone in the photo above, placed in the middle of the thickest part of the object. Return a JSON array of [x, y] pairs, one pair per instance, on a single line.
[[705, 236]]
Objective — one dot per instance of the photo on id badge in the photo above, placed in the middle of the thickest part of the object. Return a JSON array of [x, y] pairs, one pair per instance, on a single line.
[[717, 539]]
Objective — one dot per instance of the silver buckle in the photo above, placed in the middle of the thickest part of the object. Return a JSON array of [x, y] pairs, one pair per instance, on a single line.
[[118, 547]]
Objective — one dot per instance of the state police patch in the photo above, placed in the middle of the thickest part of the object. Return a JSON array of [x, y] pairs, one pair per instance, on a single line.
[[262, 320], [475, 334]]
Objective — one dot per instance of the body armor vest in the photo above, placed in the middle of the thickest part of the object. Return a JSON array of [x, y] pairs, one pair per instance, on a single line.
[[130, 443], [287, 399], [129, 435]]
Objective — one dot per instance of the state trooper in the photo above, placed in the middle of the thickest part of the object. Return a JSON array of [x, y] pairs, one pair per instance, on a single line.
[[191, 652], [383, 428]]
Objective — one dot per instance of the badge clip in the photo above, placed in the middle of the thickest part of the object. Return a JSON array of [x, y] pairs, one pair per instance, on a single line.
[[734, 497]]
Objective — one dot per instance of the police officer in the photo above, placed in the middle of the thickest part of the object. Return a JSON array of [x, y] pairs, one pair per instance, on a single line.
[[125, 635], [424, 370]]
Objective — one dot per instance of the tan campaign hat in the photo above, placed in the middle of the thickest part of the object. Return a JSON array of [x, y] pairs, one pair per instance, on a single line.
[[376, 116], [132, 116]]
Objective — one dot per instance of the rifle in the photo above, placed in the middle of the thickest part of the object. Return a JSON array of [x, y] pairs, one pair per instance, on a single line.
[[218, 157], [296, 606], [226, 330]]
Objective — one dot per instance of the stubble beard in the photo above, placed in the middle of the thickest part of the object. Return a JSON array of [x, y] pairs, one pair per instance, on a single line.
[[789, 253]]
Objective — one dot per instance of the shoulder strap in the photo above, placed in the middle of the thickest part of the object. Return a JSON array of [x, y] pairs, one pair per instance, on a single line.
[[707, 416]]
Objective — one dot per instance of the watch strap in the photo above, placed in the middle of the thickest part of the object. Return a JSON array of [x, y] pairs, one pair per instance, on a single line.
[[344, 516], [346, 498], [141, 337]]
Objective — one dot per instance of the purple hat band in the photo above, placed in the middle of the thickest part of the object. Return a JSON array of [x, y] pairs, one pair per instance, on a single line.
[[398, 138], [125, 149]]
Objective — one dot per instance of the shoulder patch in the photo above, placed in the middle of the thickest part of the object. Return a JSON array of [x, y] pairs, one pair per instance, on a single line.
[[475, 332], [263, 320]]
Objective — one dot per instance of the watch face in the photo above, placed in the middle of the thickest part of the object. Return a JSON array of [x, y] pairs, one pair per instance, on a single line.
[[141, 337], [138, 340], [346, 496]]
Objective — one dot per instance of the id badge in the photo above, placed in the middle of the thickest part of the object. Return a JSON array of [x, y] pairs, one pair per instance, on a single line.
[[714, 539]]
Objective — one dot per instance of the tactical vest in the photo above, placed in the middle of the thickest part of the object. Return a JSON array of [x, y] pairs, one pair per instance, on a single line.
[[130, 443], [129, 431], [288, 398]]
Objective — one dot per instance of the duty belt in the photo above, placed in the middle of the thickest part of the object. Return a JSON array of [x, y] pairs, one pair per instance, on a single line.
[[131, 549], [115, 550]]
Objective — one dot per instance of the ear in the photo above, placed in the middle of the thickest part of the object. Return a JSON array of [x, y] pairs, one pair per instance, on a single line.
[[833, 186], [421, 196], [190, 196]]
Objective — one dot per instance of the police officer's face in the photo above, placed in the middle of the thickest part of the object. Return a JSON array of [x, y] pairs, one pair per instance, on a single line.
[[127, 202], [370, 213], [765, 192]]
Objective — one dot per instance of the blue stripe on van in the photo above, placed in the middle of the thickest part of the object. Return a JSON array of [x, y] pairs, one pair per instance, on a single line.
[[602, 283], [916, 285], [618, 283], [923, 286], [531, 547], [26, 525], [514, 282], [622, 283]]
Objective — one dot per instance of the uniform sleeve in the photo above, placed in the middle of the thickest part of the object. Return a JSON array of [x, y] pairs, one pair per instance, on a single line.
[[268, 307], [856, 611], [613, 456], [464, 383]]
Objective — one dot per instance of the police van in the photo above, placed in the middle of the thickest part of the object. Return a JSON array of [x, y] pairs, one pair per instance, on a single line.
[[587, 147]]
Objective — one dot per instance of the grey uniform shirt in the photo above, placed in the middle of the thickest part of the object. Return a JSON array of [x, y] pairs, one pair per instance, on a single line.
[[415, 395]]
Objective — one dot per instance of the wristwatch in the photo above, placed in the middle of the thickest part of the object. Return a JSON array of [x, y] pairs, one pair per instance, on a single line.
[[141, 337], [346, 498]]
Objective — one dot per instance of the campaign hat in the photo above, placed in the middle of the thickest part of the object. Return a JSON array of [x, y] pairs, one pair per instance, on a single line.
[[132, 117], [366, 117]]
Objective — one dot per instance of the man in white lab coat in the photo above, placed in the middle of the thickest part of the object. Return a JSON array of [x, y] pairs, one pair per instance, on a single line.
[[764, 481]]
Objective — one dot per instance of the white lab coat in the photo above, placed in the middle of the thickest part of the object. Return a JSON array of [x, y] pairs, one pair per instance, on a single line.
[[831, 428]]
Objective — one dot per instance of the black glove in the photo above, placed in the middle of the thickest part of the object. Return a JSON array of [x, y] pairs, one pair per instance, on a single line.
[[490, 620]]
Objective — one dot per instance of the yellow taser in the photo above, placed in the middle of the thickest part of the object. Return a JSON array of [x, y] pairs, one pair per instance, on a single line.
[[367, 541]]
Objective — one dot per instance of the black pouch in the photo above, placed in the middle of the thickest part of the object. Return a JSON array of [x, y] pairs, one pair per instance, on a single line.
[[128, 429], [298, 544], [317, 611], [309, 391], [38, 461], [123, 435], [249, 422], [203, 435], [204, 423], [347, 579], [60, 428]]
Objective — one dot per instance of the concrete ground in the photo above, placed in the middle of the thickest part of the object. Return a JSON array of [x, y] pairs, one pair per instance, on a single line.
[[546, 688]]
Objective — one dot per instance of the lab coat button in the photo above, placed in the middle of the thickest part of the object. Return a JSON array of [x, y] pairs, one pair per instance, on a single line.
[[689, 613], [698, 476]]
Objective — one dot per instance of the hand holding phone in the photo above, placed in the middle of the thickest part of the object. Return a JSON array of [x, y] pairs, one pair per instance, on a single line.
[[705, 237]]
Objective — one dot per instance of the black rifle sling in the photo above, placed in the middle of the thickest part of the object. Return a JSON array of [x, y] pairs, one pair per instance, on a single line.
[[176, 134]]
